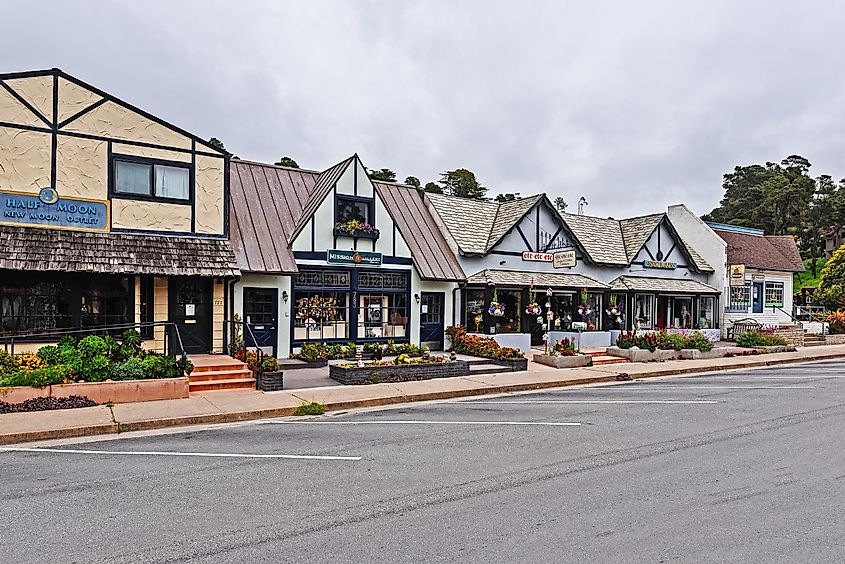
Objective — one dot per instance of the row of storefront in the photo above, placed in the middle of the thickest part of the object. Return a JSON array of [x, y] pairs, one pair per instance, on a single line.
[[111, 216]]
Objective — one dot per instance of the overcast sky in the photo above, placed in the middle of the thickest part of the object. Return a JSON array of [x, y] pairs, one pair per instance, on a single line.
[[634, 105]]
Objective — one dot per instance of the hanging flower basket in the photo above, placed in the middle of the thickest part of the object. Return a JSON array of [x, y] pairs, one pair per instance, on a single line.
[[496, 308], [533, 309]]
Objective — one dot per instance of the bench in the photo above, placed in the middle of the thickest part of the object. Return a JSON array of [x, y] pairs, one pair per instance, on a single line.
[[741, 326]]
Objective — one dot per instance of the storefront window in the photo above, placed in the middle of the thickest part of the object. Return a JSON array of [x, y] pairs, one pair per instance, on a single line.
[[681, 313], [740, 298], [644, 311], [706, 312], [320, 315], [382, 316], [589, 310], [473, 309], [510, 321], [774, 294], [616, 312], [562, 308], [105, 302]]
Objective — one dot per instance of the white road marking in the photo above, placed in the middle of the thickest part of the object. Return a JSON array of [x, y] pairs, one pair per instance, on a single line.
[[646, 387], [420, 422], [483, 402], [167, 453], [749, 377]]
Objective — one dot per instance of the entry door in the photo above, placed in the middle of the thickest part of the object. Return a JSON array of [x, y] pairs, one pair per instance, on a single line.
[[261, 313], [757, 297], [431, 319], [190, 309]]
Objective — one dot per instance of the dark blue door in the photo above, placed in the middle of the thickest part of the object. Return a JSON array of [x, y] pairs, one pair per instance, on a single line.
[[431, 319], [757, 297], [261, 310]]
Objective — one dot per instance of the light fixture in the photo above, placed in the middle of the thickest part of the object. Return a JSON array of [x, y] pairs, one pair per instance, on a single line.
[[417, 298], [285, 296], [502, 262]]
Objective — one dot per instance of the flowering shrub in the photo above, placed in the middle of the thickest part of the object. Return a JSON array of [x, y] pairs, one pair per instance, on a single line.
[[759, 339], [479, 346], [29, 361], [564, 347], [836, 321], [664, 341]]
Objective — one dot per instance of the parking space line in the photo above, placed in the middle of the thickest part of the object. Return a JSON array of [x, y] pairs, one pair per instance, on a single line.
[[192, 454], [681, 402], [423, 422]]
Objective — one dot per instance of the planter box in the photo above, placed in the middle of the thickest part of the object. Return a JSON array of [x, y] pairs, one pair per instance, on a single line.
[[358, 234], [643, 355], [20, 394], [125, 391], [520, 341], [513, 364], [695, 354], [270, 381], [584, 340], [398, 373], [577, 361]]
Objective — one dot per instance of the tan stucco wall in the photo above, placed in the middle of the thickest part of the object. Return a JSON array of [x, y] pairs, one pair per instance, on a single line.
[[217, 316], [38, 91], [134, 214], [82, 168], [209, 194], [123, 149], [12, 111], [116, 122], [24, 160], [73, 98]]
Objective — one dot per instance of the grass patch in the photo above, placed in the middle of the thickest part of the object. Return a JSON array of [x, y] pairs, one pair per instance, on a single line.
[[312, 408], [805, 279]]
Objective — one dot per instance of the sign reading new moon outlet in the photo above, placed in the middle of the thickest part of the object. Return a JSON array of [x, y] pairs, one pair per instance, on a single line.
[[48, 209]]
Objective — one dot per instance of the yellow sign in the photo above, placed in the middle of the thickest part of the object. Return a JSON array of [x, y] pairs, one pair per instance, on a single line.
[[737, 275]]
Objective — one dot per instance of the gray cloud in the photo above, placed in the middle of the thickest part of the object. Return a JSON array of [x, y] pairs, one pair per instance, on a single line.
[[633, 105]]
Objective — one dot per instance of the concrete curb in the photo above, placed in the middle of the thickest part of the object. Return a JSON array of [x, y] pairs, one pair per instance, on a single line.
[[602, 376]]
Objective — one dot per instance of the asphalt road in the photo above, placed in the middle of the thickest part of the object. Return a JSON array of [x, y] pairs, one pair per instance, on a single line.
[[732, 467]]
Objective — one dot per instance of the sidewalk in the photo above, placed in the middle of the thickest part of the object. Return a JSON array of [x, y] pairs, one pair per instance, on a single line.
[[224, 407]]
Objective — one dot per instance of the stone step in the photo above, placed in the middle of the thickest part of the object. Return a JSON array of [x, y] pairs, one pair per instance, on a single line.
[[214, 385], [219, 375], [228, 364], [606, 359]]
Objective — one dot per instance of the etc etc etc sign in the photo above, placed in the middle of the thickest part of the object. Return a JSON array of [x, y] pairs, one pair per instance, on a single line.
[[559, 259], [48, 209]]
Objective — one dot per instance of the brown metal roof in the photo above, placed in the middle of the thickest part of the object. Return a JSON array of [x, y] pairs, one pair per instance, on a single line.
[[429, 249], [266, 203], [767, 252], [30, 248], [271, 204]]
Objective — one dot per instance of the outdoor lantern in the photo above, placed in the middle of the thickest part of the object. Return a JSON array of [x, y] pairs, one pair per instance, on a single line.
[[549, 292]]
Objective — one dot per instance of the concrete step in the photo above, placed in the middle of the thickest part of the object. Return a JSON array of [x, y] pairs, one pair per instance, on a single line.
[[606, 359], [219, 375], [215, 385], [228, 364]]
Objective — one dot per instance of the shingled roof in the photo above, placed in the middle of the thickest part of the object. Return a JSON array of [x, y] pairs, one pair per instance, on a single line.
[[34, 249], [497, 277], [268, 201], [766, 252], [647, 284]]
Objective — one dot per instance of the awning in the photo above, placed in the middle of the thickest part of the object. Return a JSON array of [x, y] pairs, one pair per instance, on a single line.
[[665, 285], [28, 248], [540, 279]]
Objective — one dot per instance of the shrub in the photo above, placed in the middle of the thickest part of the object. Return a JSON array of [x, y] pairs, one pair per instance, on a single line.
[[40, 377], [479, 346], [7, 364], [269, 364], [669, 341], [92, 346], [373, 378], [29, 361], [130, 369], [312, 408], [836, 321], [49, 354], [697, 340], [311, 351], [564, 347], [759, 339], [161, 366]]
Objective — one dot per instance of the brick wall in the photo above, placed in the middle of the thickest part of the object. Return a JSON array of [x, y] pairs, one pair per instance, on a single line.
[[398, 373], [834, 339]]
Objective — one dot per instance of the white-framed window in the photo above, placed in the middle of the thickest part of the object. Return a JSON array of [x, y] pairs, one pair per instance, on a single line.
[[644, 311], [774, 294], [143, 178], [706, 312], [740, 298]]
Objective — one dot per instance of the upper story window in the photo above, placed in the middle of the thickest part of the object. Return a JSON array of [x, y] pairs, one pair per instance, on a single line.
[[355, 217], [152, 179]]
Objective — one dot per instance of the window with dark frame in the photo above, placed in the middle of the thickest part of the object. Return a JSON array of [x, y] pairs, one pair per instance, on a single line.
[[349, 209], [151, 179], [147, 307], [774, 294], [740, 298]]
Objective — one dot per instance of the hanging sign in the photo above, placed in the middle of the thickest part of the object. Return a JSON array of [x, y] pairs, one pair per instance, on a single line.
[[48, 209], [336, 256], [737, 275], [662, 265], [564, 259], [537, 257]]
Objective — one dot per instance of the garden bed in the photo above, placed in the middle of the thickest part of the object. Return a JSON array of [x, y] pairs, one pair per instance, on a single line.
[[635, 354], [355, 375], [557, 361], [123, 391]]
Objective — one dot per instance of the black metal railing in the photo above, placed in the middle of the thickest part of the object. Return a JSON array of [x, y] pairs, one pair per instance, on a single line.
[[236, 333], [172, 342]]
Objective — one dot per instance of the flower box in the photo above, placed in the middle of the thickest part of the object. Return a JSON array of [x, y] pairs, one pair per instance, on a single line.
[[635, 354], [270, 381], [558, 361], [356, 234], [354, 375], [695, 354], [512, 364], [122, 391]]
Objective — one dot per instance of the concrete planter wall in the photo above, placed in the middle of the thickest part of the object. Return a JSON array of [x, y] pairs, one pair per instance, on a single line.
[[577, 361], [520, 341], [125, 391], [513, 364], [585, 340], [644, 355], [270, 381], [398, 373], [695, 354]]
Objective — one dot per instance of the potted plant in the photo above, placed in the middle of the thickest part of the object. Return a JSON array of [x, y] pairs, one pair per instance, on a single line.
[[532, 307], [355, 228], [269, 377], [496, 308], [614, 311]]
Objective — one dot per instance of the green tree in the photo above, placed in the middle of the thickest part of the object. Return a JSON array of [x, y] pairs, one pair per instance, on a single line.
[[462, 183], [433, 188], [561, 204], [215, 142], [831, 290], [507, 197], [413, 181], [288, 162], [384, 175]]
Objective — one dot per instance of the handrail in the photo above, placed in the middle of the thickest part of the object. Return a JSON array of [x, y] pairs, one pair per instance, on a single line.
[[258, 350], [812, 313]]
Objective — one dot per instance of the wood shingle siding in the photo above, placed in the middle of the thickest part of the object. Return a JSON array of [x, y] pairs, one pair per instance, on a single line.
[[30, 248]]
